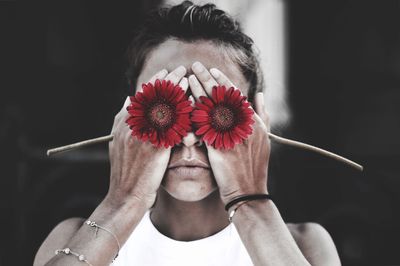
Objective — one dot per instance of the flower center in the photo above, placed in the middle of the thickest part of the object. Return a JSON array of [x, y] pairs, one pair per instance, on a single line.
[[161, 115], [223, 118]]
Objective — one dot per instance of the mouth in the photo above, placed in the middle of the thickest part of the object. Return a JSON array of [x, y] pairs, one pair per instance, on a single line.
[[184, 163], [190, 172]]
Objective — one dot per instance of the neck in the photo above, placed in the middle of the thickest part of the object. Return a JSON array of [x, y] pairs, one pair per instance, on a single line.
[[188, 221]]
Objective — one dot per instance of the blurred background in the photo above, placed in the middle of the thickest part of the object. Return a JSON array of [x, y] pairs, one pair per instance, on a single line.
[[333, 80]]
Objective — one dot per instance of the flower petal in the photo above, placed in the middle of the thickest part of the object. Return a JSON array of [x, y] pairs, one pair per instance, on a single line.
[[214, 94], [218, 141], [210, 136], [202, 130], [199, 118], [200, 113], [207, 101], [221, 94], [235, 138], [180, 130], [228, 143], [202, 106], [187, 110]]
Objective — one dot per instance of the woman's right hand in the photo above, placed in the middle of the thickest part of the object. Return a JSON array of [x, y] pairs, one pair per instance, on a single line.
[[138, 167]]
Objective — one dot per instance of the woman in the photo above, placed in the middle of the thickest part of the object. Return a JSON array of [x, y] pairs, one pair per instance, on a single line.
[[166, 206]]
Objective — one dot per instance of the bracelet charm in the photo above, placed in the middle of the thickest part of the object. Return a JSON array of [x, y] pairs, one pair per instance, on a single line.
[[68, 251]]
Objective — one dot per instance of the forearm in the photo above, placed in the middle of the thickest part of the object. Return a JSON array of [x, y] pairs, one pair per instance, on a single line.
[[100, 249], [266, 236]]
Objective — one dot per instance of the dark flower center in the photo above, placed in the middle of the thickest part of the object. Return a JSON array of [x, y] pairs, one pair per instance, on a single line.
[[223, 118], [161, 115]]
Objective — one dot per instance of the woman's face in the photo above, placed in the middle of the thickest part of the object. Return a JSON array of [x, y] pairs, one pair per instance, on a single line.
[[189, 176]]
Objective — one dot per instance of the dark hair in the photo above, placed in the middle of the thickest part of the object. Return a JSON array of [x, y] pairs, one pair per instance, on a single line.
[[189, 22]]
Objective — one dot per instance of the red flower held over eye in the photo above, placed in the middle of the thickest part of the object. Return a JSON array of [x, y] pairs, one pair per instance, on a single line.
[[160, 114], [225, 119]]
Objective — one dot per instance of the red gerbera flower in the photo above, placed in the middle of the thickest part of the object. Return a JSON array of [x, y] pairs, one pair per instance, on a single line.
[[160, 114], [224, 119]]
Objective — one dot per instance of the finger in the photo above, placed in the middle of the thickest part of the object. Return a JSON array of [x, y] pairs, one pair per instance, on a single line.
[[184, 84], [192, 100], [196, 88], [123, 109], [176, 75], [259, 104], [126, 103], [221, 78], [120, 115], [260, 108], [159, 75], [205, 78]]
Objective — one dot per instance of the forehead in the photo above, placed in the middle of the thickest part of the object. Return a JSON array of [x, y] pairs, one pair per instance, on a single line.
[[174, 53]]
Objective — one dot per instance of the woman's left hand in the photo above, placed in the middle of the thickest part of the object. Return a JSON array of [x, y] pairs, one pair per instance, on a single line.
[[243, 169]]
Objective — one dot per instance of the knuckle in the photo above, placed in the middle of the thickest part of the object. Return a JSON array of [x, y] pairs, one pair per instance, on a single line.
[[267, 118], [205, 76], [117, 116], [173, 76], [158, 76], [128, 138]]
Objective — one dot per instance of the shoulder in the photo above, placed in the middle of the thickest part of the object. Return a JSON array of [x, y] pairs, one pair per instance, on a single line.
[[315, 243], [57, 239]]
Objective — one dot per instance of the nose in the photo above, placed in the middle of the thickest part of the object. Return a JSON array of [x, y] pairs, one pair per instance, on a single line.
[[191, 140]]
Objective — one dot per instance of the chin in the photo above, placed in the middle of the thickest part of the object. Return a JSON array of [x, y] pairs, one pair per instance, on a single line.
[[189, 184]]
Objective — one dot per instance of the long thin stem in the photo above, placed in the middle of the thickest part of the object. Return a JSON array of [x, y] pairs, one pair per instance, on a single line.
[[79, 144], [273, 137], [309, 147]]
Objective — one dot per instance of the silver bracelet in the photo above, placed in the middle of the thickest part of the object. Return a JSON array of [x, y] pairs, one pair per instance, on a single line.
[[231, 213], [68, 251], [96, 226]]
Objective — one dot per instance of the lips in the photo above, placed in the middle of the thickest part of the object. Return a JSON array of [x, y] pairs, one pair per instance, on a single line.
[[189, 163]]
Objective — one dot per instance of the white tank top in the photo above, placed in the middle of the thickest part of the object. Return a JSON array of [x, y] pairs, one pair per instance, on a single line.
[[147, 246]]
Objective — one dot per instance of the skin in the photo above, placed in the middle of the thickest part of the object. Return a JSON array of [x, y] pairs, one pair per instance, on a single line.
[[190, 201]]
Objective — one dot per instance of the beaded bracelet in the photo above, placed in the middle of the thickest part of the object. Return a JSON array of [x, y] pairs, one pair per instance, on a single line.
[[95, 225], [68, 251]]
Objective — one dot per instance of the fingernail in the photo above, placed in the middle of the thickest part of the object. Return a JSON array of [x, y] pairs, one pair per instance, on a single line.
[[184, 81], [192, 78], [197, 67], [181, 70], [163, 71], [127, 102], [214, 72], [192, 100]]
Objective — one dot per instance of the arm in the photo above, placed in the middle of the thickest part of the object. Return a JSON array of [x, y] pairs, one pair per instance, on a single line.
[[266, 236], [263, 231], [121, 219], [244, 170], [132, 191], [315, 243]]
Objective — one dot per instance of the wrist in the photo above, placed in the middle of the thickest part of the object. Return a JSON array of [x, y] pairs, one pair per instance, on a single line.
[[124, 204], [231, 196], [251, 211], [119, 217]]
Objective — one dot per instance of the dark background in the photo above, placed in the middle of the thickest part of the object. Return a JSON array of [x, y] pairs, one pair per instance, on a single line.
[[62, 81]]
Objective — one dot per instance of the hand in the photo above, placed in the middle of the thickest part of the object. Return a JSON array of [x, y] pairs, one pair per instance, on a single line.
[[243, 169], [138, 167]]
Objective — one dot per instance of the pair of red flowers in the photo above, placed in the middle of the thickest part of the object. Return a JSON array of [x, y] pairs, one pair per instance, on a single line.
[[163, 115]]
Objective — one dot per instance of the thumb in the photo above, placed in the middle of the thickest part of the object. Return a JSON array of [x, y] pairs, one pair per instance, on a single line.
[[260, 108]]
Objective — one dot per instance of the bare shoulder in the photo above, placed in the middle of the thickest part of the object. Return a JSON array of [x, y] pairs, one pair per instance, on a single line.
[[57, 239], [315, 243]]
